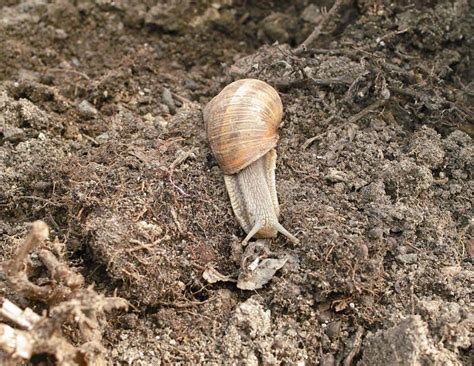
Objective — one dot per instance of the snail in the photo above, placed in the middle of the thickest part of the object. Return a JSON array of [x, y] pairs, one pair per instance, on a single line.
[[242, 124]]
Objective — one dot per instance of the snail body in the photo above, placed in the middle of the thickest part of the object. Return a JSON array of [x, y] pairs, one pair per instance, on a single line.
[[242, 124]]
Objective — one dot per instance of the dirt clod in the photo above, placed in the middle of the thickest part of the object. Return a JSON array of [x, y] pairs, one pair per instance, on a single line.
[[409, 338]]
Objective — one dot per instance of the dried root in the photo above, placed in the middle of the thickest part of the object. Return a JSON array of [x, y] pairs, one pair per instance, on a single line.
[[24, 333]]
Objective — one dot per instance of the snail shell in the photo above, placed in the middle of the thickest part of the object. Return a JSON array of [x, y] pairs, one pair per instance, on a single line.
[[242, 124]]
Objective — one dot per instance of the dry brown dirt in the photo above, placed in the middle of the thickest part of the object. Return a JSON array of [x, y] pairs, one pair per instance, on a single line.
[[102, 137]]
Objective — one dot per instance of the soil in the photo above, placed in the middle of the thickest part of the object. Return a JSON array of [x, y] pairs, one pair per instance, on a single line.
[[102, 137]]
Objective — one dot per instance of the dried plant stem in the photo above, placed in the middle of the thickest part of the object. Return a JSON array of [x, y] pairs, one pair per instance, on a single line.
[[38, 234], [371, 108], [15, 342], [317, 30], [28, 333], [24, 319], [355, 346]]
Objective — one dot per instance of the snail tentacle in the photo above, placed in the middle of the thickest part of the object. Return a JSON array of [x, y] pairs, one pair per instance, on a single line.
[[258, 225], [285, 232]]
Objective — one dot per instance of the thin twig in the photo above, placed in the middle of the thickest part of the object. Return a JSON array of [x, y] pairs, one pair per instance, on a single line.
[[332, 52], [178, 188], [317, 30], [366, 111], [312, 139], [182, 99], [355, 346], [181, 158], [91, 139], [185, 305], [285, 85], [331, 81], [70, 72], [24, 319], [36, 198], [60, 271], [38, 234], [140, 246], [392, 34], [176, 220]]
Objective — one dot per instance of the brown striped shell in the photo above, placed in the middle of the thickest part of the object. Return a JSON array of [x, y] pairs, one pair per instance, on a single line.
[[242, 123]]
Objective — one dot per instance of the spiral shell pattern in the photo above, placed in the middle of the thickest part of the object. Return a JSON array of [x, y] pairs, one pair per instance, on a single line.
[[242, 123]]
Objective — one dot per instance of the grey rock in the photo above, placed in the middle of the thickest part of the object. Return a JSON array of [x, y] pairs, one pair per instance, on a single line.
[[42, 186], [191, 85], [311, 14], [167, 100], [13, 134], [103, 137], [327, 360], [410, 258], [87, 110], [335, 176]]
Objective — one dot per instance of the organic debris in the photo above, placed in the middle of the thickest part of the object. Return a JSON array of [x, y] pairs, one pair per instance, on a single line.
[[257, 267], [67, 303]]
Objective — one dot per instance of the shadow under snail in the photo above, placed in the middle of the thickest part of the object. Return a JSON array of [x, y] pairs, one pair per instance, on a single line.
[[242, 124]]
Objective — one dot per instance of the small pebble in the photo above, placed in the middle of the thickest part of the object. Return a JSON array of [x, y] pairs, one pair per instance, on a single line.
[[367, 300], [335, 176], [375, 233], [411, 258], [402, 250], [334, 329], [42, 186], [339, 187], [470, 248], [60, 34], [167, 100], [362, 251], [87, 110], [160, 123], [311, 14], [164, 108], [103, 137], [13, 134], [159, 51], [327, 360], [75, 61], [191, 84], [71, 132]]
